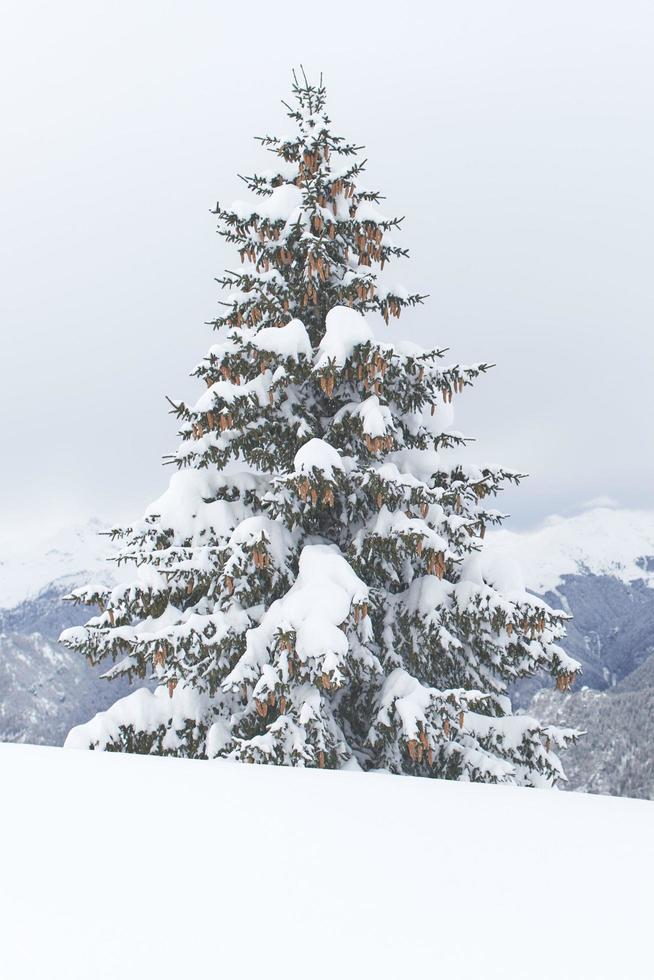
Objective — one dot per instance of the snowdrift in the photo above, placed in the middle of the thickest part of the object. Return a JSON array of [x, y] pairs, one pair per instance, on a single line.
[[132, 867]]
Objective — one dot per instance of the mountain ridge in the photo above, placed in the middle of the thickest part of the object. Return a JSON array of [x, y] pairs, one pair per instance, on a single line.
[[603, 541]]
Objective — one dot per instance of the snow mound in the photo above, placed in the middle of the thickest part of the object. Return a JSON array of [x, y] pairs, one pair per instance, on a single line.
[[376, 418], [148, 710], [278, 206], [183, 506], [319, 454], [317, 873], [291, 340], [345, 329], [319, 600], [602, 541]]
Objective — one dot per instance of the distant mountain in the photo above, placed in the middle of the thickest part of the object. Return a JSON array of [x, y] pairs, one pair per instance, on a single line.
[[598, 566], [616, 756], [604, 542], [44, 688]]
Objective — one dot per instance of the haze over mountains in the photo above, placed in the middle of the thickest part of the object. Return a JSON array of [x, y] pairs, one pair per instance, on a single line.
[[598, 566]]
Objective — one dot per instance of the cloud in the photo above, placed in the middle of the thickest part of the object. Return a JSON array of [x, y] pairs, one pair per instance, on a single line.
[[596, 502]]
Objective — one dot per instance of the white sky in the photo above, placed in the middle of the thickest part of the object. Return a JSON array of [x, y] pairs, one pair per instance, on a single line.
[[516, 138]]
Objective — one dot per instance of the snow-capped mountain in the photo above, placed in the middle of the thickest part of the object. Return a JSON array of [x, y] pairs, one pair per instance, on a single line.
[[58, 561], [603, 542], [44, 688], [599, 567]]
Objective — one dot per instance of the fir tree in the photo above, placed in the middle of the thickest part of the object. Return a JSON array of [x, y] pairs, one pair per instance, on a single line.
[[309, 589]]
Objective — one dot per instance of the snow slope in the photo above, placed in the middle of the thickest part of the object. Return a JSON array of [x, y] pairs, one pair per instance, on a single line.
[[136, 867], [601, 541]]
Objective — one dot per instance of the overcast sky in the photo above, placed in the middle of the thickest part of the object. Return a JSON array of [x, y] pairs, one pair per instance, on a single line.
[[516, 137]]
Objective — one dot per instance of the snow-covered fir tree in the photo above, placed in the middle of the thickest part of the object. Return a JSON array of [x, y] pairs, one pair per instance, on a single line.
[[309, 590]]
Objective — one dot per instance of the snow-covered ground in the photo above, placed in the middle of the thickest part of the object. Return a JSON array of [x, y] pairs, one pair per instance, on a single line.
[[136, 868]]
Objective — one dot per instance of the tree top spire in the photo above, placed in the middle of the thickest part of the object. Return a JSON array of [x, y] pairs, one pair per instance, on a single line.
[[310, 97]]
